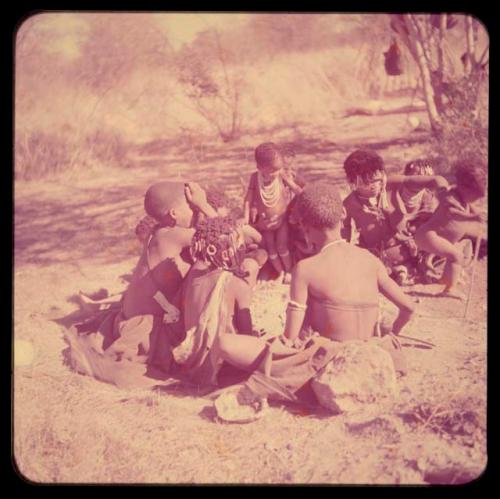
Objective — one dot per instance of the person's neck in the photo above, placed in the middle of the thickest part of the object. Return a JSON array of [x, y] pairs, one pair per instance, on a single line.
[[366, 196], [327, 237]]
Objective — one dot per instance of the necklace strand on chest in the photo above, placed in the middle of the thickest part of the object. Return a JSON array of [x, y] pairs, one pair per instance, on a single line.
[[271, 193]]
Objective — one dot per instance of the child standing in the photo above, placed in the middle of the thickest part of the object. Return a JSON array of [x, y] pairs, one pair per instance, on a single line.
[[454, 219], [270, 190]]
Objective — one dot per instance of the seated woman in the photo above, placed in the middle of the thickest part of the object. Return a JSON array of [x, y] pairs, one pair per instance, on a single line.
[[115, 345], [216, 298], [342, 302]]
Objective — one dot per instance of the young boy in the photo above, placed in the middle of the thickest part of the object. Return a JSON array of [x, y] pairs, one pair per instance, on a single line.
[[455, 218], [270, 190]]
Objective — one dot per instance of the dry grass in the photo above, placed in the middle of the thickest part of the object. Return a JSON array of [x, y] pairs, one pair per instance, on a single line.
[[73, 429]]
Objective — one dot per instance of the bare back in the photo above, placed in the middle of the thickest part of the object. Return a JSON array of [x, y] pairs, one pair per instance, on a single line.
[[342, 292]]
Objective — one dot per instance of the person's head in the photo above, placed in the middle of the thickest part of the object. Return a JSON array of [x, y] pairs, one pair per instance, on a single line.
[[470, 175], [288, 154], [166, 202], [218, 241], [320, 209], [269, 160], [365, 170], [419, 167]]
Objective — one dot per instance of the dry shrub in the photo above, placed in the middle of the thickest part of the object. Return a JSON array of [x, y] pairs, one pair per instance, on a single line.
[[41, 153], [107, 146], [465, 122]]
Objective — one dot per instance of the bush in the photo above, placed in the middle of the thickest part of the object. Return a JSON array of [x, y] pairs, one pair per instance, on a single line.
[[39, 153], [465, 127]]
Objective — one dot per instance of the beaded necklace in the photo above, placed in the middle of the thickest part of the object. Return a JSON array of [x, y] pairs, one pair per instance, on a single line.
[[331, 243], [271, 193]]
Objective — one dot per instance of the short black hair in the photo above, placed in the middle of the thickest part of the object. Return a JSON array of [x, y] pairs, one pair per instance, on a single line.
[[319, 205], [418, 166], [266, 153], [362, 163]]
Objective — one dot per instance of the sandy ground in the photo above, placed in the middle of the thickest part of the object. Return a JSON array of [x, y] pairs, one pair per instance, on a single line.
[[75, 232]]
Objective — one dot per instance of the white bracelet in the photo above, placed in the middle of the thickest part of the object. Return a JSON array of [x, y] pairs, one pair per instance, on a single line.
[[297, 306]]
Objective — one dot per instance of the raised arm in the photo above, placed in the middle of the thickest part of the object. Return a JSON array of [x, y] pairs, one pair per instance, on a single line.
[[297, 305], [197, 197], [396, 295], [434, 182], [289, 180]]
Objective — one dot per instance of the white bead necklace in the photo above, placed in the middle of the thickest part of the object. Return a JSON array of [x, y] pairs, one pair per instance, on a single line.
[[271, 193], [331, 243]]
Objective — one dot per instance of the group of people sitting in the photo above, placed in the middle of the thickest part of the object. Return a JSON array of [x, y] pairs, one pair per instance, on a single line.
[[187, 310]]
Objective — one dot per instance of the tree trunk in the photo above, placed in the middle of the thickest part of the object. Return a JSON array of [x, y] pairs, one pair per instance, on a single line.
[[471, 47], [438, 83], [418, 51]]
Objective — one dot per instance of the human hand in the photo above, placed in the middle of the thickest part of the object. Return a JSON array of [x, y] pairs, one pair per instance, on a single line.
[[195, 194], [287, 176]]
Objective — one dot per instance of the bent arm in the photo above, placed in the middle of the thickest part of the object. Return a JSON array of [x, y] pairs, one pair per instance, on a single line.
[[396, 295], [435, 182], [297, 306]]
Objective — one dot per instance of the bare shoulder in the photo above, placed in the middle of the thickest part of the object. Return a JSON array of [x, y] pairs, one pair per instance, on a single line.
[[364, 256], [169, 238], [351, 203]]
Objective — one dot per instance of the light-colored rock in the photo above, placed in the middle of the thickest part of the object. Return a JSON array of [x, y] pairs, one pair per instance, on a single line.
[[360, 377]]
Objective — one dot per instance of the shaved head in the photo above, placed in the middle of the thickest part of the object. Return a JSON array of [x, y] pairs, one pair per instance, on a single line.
[[162, 197]]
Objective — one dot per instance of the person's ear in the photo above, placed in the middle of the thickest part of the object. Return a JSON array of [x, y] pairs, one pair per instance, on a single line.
[[172, 214], [343, 216]]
